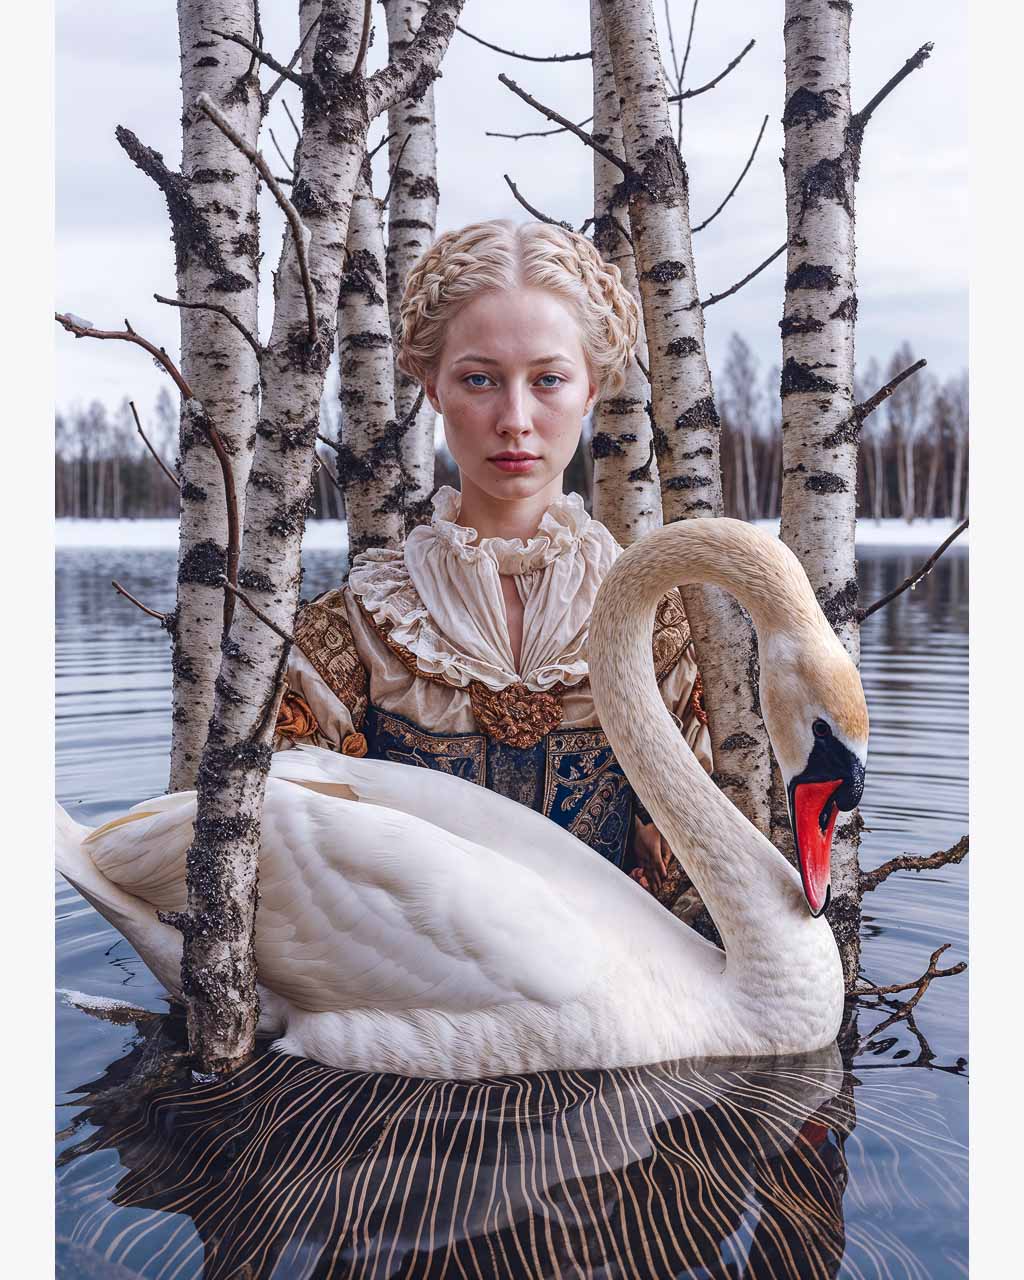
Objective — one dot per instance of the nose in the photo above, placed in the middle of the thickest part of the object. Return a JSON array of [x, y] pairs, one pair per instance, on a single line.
[[513, 416]]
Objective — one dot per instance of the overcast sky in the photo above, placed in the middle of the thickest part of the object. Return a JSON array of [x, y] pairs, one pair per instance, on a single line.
[[118, 64]]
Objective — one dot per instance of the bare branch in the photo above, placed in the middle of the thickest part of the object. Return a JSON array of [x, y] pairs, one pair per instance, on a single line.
[[393, 175], [672, 43], [528, 57], [692, 93], [321, 465], [330, 443], [205, 103], [127, 334], [292, 62], [717, 297], [610, 156], [735, 185], [240, 595], [861, 117], [161, 617], [260, 55], [287, 111], [257, 35], [870, 880], [222, 311], [864, 410], [541, 217], [904, 1008], [914, 578], [414, 409], [689, 42], [277, 147], [544, 133], [383, 143], [145, 440], [364, 39]]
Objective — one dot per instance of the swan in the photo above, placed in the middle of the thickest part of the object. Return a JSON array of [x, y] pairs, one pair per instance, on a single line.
[[416, 923]]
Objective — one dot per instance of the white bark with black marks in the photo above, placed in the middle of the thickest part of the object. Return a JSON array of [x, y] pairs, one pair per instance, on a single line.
[[412, 218], [686, 423], [218, 968], [212, 204], [627, 497], [820, 433], [370, 441]]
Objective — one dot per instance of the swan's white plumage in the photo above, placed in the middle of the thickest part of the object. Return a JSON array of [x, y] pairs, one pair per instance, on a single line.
[[411, 921]]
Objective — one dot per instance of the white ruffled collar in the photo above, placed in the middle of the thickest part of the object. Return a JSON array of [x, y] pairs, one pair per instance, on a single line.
[[440, 595], [561, 527]]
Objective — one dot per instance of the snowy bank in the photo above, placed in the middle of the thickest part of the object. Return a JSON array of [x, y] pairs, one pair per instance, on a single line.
[[329, 535]]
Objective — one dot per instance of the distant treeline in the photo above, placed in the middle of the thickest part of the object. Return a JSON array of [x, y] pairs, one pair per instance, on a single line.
[[913, 462]]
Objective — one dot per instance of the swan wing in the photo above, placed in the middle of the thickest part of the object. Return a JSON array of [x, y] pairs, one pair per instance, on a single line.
[[366, 907]]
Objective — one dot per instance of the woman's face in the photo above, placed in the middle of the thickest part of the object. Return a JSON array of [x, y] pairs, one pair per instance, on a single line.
[[513, 386]]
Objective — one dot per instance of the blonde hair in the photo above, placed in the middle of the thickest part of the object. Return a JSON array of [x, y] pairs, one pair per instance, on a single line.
[[500, 255]]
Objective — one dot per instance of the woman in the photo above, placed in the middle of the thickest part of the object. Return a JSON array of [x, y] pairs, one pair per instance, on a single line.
[[466, 649]]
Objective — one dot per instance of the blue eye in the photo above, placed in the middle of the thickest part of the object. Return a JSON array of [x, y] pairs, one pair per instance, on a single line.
[[477, 379], [550, 380]]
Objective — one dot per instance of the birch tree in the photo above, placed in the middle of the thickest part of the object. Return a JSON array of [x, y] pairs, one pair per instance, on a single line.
[[687, 428], [339, 102], [626, 494], [214, 223], [412, 218]]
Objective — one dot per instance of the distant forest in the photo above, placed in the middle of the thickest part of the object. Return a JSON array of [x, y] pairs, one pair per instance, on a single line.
[[913, 460]]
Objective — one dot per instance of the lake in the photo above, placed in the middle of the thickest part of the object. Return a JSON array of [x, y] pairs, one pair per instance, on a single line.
[[849, 1163]]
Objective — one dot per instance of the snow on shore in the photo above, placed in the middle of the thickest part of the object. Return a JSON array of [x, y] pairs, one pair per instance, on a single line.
[[329, 535]]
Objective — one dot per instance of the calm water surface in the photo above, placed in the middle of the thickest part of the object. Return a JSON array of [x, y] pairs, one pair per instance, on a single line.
[[847, 1164]]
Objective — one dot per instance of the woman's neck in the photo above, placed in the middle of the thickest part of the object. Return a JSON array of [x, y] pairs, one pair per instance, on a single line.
[[505, 517]]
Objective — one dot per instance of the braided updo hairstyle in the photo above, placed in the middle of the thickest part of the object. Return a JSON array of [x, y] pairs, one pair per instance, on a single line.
[[500, 255]]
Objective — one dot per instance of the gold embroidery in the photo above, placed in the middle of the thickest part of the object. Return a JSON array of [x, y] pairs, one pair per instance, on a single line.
[[520, 716], [323, 634], [697, 700], [446, 752], [515, 715], [354, 744]]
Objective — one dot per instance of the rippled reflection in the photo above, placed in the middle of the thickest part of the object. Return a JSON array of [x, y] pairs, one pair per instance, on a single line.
[[756, 1169]]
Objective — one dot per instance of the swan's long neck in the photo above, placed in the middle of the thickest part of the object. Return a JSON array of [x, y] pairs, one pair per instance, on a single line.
[[750, 890]]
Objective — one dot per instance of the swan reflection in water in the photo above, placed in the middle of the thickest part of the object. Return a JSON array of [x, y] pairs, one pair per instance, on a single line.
[[290, 1169]]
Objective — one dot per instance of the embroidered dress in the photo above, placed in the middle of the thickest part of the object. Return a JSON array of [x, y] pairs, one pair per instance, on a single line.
[[412, 661]]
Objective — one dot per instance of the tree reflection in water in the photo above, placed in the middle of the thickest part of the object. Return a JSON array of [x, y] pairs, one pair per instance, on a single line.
[[291, 1169]]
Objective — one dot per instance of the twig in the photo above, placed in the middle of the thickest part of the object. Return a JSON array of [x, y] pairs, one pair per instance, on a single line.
[[861, 117], [904, 1008], [528, 57], [915, 577], [912, 862], [544, 133], [717, 297], [145, 440], [138, 603], [212, 434], [642, 367], [393, 175], [291, 64], [413, 411], [223, 311], [257, 35], [205, 103], [321, 465], [622, 231], [288, 113], [260, 55], [862, 411], [239, 594], [735, 185], [689, 42], [330, 443], [692, 93], [383, 143], [566, 124], [277, 147], [672, 42], [541, 217], [364, 39]]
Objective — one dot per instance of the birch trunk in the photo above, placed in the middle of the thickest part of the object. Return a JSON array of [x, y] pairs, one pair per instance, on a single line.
[[626, 493], [218, 966], [687, 430], [820, 438], [412, 217], [370, 443], [956, 501]]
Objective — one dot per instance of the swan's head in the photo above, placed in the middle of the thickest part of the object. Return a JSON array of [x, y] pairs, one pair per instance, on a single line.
[[817, 719]]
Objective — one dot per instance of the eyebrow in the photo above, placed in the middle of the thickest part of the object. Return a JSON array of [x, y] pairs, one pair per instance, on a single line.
[[475, 359]]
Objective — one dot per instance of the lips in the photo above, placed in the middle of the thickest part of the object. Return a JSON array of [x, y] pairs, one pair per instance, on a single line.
[[514, 462]]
